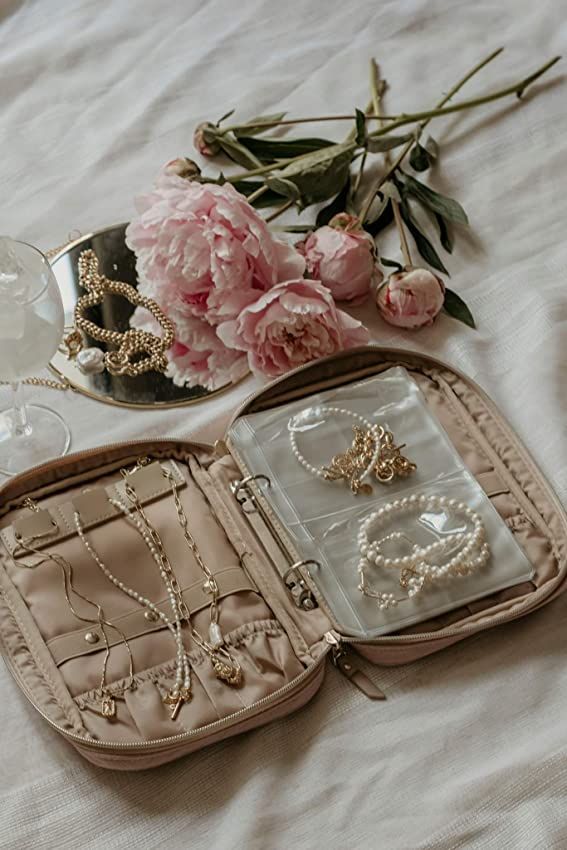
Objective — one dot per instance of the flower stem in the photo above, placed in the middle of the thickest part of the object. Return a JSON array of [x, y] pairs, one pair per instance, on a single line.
[[280, 210], [517, 88], [403, 237], [257, 194], [265, 169], [377, 92], [411, 118], [311, 119], [408, 146]]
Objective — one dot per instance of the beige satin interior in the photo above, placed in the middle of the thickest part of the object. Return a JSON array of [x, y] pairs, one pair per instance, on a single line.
[[274, 641], [253, 633]]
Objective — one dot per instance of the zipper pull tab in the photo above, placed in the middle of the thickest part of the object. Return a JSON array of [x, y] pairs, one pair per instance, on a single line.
[[345, 662]]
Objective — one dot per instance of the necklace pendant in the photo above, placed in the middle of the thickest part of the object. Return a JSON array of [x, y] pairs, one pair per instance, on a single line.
[[177, 700], [108, 707], [215, 635], [231, 673]]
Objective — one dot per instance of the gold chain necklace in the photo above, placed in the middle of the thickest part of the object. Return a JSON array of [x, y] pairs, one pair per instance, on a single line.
[[108, 697], [226, 668], [123, 360]]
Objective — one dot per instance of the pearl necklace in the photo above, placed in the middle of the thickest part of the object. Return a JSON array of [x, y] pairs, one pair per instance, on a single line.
[[457, 554], [374, 433], [182, 686]]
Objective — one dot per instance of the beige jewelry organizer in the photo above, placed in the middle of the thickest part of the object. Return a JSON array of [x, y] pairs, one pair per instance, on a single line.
[[101, 665]]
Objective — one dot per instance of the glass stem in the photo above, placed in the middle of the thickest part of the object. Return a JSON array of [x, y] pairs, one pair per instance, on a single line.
[[20, 417]]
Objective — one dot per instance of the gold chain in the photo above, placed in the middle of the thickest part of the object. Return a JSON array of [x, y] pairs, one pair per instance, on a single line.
[[211, 585], [108, 704], [224, 665], [130, 342]]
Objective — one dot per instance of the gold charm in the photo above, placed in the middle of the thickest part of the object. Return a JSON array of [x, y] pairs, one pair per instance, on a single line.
[[108, 706], [177, 700], [350, 465], [391, 462], [231, 673]]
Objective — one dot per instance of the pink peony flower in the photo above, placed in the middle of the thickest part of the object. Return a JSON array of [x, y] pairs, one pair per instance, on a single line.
[[411, 299], [342, 256], [293, 323], [197, 357], [203, 141], [203, 251]]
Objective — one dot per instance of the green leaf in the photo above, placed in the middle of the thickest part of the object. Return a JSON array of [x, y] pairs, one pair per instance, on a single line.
[[284, 187], [337, 205], [436, 202], [250, 128], [432, 148], [456, 307], [391, 263], [380, 144], [320, 175], [377, 207], [385, 218], [298, 228], [423, 244], [419, 158], [445, 235], [269, 150], [225, 116], [360, 137], [238, 152], [391, 190], [247, 187]]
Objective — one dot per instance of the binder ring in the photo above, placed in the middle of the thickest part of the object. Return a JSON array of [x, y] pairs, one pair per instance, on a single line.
[[249, 496]]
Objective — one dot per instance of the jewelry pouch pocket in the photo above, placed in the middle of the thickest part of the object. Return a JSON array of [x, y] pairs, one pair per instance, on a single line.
[[139, 614]]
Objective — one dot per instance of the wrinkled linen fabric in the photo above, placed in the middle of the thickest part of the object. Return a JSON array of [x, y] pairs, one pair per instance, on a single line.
[[470, 748]]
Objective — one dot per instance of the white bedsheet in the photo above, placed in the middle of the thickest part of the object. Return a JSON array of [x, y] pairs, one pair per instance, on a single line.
[[469, 750]]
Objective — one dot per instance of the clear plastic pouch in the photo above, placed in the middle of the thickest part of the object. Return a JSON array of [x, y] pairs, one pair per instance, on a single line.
[[291, 443]]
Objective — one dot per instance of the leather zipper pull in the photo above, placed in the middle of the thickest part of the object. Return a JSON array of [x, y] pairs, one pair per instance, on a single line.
[[345, 662]]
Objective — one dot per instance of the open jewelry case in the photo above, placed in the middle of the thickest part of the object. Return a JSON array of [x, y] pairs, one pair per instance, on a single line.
[[159, 596]]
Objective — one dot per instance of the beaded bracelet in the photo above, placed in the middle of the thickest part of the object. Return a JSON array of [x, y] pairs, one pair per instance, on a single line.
[[464, 552], [367, 442]]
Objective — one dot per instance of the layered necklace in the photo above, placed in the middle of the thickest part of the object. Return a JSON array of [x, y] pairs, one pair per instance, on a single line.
[[226, 668]]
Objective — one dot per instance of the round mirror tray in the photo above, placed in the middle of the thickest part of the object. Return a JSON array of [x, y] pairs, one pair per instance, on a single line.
[[117, 262]]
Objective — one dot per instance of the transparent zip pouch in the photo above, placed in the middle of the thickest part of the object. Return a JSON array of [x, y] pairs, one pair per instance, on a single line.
[[323, 517]]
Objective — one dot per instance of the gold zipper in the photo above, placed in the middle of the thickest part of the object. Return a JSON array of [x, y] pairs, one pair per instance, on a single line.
[[217, 725]]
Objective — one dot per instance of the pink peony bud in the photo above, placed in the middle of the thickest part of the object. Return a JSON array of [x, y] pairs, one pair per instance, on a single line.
[[411, 299], [342, 256], [181, 167], [204, 139]]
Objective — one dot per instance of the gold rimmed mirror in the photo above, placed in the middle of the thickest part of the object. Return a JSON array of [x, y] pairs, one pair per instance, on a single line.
[[118, 262]]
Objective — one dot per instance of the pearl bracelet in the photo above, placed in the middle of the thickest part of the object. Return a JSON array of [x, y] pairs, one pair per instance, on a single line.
[[373, 434], [457, 553]]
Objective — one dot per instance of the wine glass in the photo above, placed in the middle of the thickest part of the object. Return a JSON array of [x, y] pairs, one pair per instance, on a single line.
[[31, 329]]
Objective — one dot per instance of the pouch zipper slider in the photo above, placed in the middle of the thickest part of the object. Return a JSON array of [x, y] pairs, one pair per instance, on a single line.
[[345, 662]]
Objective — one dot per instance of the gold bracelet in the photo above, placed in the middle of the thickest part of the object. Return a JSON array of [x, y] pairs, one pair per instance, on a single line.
[[120, 361]]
